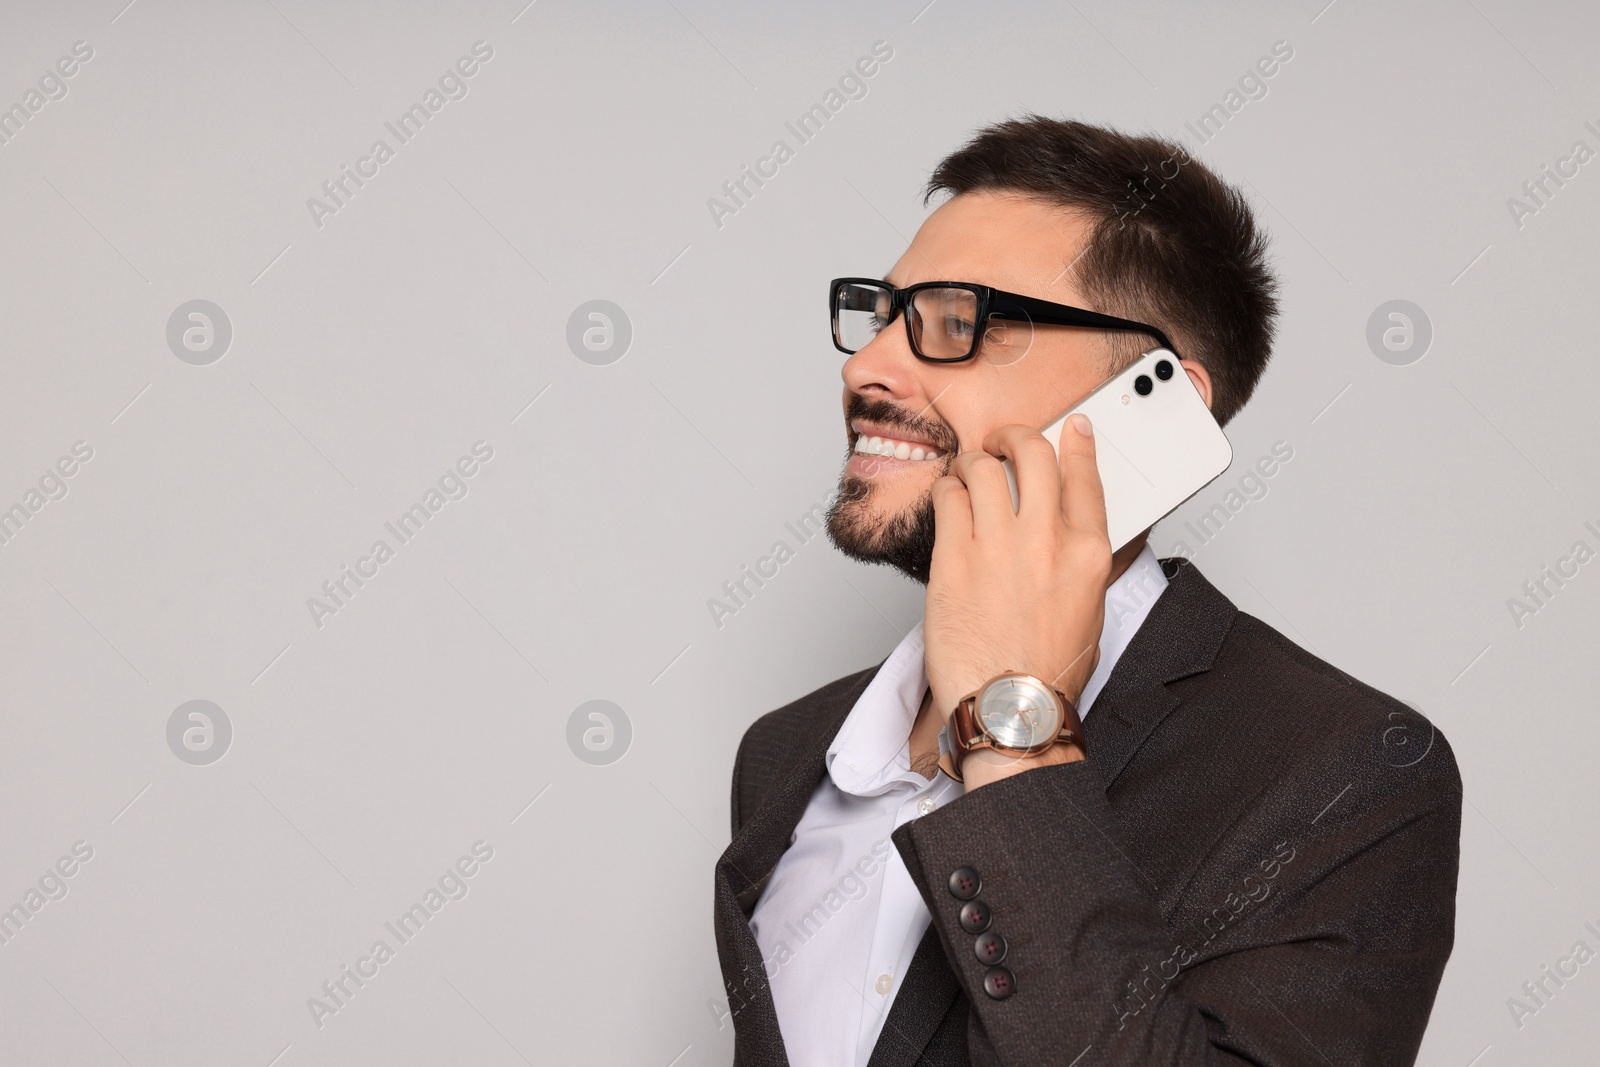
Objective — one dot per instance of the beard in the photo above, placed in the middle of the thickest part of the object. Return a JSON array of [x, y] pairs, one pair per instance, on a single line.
[[903, 540]]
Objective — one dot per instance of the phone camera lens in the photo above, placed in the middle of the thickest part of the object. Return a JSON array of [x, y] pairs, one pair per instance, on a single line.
[[1163, 370], [1142, 385]]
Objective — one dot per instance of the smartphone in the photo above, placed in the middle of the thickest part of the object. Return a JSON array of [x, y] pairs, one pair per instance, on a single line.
[[1156, 443]]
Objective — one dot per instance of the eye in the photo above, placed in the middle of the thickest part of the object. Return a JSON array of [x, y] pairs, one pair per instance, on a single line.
[[956, 326]]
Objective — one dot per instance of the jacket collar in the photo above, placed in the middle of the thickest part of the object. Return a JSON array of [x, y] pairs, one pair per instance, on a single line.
[[1180, 637]]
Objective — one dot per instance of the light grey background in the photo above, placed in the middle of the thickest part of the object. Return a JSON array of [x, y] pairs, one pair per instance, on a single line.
[[431, 311]]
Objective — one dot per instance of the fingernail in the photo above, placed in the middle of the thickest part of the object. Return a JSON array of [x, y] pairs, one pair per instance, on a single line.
[[1080, 422]]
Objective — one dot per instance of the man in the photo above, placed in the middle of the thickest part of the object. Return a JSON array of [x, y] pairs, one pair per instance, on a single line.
[[1243, 855]]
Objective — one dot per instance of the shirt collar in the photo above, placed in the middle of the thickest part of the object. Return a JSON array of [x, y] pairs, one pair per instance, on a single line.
[[871, 748]]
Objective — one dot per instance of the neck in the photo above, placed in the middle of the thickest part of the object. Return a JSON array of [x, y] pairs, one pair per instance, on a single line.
[[1123, 558]]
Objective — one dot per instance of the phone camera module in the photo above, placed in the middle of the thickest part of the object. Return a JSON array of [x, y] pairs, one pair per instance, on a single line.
[[1142, 385], [1163, 370]]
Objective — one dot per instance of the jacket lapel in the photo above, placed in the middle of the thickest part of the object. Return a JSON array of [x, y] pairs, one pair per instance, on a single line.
[[1180, 637], [743, 871]]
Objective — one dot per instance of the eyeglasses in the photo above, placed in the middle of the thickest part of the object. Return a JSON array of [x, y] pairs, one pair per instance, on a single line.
[[942, 317]]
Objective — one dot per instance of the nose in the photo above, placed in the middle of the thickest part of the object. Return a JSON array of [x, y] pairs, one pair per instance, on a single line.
[[885, 368]]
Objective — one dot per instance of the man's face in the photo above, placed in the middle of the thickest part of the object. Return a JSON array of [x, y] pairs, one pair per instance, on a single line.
[[1021, 373]]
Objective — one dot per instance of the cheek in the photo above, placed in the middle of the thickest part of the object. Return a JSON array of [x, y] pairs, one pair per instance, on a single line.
[[965, 398], [974, 415]]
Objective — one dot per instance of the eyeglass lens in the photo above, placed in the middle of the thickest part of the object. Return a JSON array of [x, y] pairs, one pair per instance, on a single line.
[[943, 319]]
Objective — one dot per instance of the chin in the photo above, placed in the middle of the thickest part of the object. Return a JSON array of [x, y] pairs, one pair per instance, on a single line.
[[866, 526]]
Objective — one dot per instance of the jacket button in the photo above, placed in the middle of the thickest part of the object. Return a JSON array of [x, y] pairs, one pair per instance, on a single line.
[[999, 983], [975, 916], [965, 883], [990, 947]]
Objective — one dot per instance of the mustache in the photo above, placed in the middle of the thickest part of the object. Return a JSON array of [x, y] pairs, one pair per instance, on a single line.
[[887, 414]]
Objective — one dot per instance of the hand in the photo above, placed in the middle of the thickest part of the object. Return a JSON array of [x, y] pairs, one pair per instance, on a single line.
[[1017, 590]]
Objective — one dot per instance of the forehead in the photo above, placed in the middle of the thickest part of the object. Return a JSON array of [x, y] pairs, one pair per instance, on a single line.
[[1004, 240]]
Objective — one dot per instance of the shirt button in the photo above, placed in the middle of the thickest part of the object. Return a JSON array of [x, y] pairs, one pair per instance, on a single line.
[[925, 805], [884, 984]]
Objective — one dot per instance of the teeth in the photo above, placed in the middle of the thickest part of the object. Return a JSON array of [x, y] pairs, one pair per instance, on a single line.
[[890, 448]]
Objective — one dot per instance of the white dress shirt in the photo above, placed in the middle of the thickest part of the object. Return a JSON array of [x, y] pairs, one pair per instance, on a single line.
[[840, 920]]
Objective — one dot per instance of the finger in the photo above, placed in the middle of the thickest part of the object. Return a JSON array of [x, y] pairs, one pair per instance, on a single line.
[[1034, 458], [985, 480], [952, 512], [1083, 500]]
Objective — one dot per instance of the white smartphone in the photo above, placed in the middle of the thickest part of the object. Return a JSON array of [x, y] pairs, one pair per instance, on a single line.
[[1156, 443]]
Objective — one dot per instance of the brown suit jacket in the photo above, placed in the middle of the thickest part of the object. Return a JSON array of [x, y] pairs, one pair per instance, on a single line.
[[1256, 864]]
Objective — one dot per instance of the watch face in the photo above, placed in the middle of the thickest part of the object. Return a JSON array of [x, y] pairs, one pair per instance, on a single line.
[[1019, 711]]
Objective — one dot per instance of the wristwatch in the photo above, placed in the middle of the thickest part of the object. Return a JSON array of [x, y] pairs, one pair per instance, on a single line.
[[1014, 714]]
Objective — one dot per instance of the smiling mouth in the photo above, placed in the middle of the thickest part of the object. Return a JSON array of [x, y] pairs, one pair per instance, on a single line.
[[893, 447], [889, 447]]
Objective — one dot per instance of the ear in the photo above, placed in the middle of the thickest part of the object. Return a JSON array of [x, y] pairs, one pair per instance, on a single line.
[[1201, 380]]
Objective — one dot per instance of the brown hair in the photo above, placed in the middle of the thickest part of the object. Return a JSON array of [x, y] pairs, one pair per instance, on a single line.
[[1170, 244]]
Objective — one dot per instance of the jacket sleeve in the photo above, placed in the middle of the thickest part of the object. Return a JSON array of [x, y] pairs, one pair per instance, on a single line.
[[1329, 949]]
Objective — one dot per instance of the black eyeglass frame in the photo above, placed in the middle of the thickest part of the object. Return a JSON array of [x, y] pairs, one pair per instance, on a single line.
[[992, 303]]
